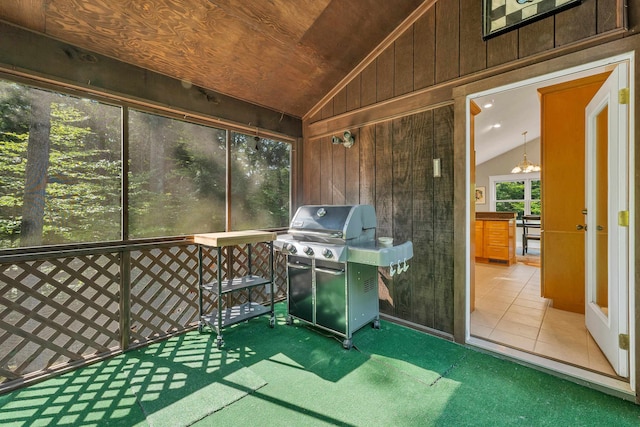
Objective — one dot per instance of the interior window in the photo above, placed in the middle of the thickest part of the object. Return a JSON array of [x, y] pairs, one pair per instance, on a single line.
[[521, 195]]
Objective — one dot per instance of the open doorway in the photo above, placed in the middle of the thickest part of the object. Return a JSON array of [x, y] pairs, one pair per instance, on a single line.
[[510, 309]]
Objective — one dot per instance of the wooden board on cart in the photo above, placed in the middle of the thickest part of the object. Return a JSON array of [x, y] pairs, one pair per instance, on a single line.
[[233, 238]]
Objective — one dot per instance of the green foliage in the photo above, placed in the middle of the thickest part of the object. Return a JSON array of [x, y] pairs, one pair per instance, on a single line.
[[14, 108], [510, 207], [510, 190], [178, 170], [536, 207], [177, 179], [535, 190], [260, 180], [83, 180], [510, 197]]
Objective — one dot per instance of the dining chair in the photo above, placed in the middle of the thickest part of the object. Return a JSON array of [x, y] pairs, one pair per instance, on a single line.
[[530, 230]]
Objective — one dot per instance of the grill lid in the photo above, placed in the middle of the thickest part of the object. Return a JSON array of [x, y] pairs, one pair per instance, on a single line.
[[334, 224]]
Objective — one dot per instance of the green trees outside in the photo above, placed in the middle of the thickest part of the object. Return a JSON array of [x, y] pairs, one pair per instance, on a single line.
[[259, 182], [14, 134], [36, 168], [512, 196], [177, 177], [179, 169], [61, 173], [536, 204], [60, 168]]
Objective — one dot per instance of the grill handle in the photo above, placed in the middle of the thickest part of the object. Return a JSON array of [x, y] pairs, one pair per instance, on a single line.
[[330, 271], [334, 234], [299, 267]]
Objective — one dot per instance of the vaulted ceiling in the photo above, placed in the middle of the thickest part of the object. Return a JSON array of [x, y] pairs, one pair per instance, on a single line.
[[281, 54]]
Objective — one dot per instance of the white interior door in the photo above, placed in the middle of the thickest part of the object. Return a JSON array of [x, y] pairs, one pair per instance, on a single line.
[[606, 262]]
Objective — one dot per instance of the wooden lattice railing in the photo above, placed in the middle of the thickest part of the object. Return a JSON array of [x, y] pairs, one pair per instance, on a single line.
[[60, 310]]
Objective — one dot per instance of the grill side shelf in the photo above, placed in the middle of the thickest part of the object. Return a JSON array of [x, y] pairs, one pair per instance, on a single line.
[[236, 284]]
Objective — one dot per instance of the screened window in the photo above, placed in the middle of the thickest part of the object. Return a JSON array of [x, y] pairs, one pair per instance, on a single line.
[[177, 177], [60, 168], [260, 171], [516, 193], [61, 173]]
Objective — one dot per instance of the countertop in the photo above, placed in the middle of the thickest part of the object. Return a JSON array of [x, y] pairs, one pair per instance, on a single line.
[[496, 216], [233, 238]]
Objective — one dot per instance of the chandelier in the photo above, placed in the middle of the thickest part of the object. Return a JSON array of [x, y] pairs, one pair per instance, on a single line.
[[525, 166]]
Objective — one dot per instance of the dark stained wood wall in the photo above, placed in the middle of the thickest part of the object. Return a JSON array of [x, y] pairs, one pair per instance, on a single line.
[[390, 167], [446, 43], [391, 164]]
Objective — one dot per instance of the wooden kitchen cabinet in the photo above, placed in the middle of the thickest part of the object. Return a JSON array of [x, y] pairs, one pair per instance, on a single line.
[[496, 237]]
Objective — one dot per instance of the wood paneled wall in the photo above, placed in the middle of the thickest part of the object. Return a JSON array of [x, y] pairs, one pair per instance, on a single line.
[[446, 43], [390, 167], [391, 164]]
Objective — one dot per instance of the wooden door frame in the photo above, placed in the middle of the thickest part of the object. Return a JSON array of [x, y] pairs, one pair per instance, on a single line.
[[463, 182]]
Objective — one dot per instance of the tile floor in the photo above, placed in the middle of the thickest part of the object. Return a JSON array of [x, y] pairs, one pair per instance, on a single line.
[[509, 310]]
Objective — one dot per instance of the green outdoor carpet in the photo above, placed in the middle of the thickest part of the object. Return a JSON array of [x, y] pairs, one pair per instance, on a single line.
[[298, 376], [175, 392], [174, 383]]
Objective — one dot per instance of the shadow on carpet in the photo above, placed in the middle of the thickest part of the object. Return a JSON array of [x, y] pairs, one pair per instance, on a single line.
[[397, 376], [173, 383], [178, 388], [299, 376]]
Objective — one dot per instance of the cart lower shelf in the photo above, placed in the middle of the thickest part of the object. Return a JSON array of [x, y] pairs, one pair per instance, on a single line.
[[233, 315]]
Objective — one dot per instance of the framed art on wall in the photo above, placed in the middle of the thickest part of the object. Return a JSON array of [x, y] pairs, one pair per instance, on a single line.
[[499, 16], [481, 195]]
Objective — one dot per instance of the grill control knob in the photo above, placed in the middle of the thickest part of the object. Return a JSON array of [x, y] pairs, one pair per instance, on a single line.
[[291, 248], [327, 253], [308, 250]]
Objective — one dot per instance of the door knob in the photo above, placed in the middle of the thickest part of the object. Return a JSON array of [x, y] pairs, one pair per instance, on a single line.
[[599, 228], [581, 227]]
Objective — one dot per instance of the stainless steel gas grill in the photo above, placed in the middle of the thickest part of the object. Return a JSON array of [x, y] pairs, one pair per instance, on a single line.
[[332, 267]]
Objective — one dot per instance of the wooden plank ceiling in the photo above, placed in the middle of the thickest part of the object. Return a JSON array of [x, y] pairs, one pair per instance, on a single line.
[[281, 54]]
